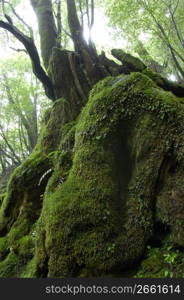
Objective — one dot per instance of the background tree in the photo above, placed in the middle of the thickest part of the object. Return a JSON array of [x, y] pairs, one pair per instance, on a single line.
[[20, 110], [159, 23]]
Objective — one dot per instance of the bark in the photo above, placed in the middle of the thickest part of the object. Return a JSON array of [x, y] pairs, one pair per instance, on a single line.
[[70, 81], [112, 68], [59, 23], [47, 28], [75, 27]]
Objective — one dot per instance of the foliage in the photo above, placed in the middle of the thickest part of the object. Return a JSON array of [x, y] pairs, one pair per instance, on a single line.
[[158, 24], [20, 110], [165, 261]]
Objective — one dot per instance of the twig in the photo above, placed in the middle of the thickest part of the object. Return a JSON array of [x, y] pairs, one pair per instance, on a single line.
[[19, 18], [19, 50]]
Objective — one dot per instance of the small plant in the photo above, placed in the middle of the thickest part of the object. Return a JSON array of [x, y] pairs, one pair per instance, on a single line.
[[111, 248], [168, 273], [170, 257]]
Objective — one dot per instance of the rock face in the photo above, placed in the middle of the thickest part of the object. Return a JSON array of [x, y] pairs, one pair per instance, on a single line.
[[90, 197]]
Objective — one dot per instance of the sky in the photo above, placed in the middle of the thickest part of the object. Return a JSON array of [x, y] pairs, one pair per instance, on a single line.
[[102, 34]]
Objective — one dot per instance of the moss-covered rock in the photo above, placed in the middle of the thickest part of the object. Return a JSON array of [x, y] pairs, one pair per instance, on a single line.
[[87, 200]]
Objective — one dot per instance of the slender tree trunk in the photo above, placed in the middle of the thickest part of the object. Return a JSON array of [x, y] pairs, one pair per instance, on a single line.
[[47, 28], [75, 27]]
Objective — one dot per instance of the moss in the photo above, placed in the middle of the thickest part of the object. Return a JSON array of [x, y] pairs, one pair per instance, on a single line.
[[156, 77], [3, 247], [11, 266], [130, 63], [162, 262], [21, 206], [30, 270], [91, 223], [24, 190], [68, 137], [20, 228], [110, 174], [2, 197], [51, 132], [25, 246], [152, 266]]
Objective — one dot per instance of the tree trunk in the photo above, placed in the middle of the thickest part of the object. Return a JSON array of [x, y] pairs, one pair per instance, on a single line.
[[105, 177], [47, 28]]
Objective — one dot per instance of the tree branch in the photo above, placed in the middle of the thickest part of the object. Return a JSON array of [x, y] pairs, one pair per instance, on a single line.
[[59, 23], [2, 151], [175, 24], [75, 27], [180, 69], [92, 14], [33, 54], [19, 50], [87, 12], [8, 144], [20, 19], [81, 13]]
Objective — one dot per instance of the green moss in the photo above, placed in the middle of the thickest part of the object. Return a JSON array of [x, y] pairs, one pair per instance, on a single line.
[[93, 220], [85, 205], [3, 247], [162, 262], [25, 246], [30, 271], [108, 171], [129, 61], [2, 197], [152, 266], [20, 228], [24, 190], [51, 132], [11, 266], [156, 77], [68, 137]]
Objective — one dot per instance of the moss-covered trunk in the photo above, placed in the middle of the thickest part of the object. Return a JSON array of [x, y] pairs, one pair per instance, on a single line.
[[94, 192]]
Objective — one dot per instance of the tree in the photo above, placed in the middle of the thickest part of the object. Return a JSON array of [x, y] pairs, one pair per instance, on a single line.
[[162, 22], [106, 174], [20, 111]]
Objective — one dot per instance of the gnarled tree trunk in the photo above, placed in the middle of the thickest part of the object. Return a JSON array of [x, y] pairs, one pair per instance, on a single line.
[[101, 179], [89, 198]]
